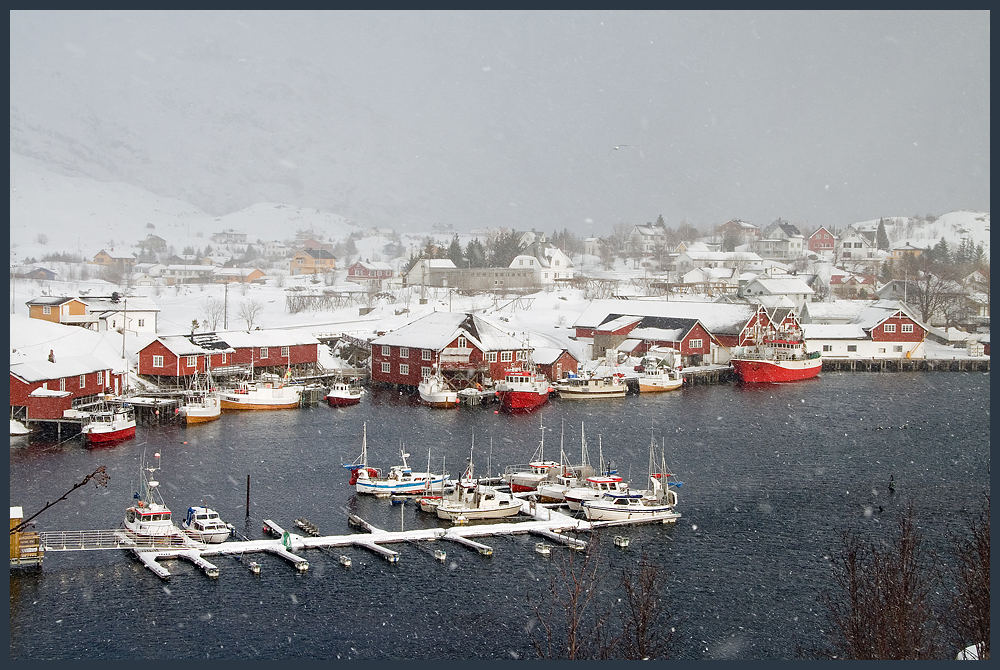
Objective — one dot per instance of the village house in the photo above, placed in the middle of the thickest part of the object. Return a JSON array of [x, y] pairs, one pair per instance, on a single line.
[[647, 239], [172, 357], [790, 286], [311, 261], [113, 260], [554, 362], [635, 335], [780, 240], [906, 251], [728, 325], [694, 258], [851, 286], [881, 329], [181, 273], [466, 348], [858, 245], [592, 246], [32, 272], [822, 242], [738, 232], [366, 271], [237, 275], [442, 273], [137, 314], [45, 389]]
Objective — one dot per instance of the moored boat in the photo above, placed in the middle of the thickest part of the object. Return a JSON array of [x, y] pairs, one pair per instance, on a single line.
[[611, 386], [342, 394], [200, 406], [779, 356], [112, 425], [260, 395], [149, 519], [400, 479], [203, 524], [482, 502], [522, 390], [656, 503], [659, 379], [523, 478], [435, 392]]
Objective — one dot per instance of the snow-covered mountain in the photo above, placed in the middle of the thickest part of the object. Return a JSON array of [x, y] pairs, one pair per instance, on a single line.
[[926, 232]]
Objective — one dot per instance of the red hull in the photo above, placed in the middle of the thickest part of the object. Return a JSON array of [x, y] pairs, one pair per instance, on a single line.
[[754, 371], [342, 402], [520, 488], [114, 436], [522, 401]]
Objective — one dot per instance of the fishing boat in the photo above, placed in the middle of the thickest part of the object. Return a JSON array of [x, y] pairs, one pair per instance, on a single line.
[[200, 406], [656, 503], [653, 379], [434, 391], [578, 388], [399, 479], [342, 394], [595, 485], [110, 425], [527, 477], [522, 390], [203, 524], [148, 518], [483, 502], [260, 395], [429, 500], [779, 356]]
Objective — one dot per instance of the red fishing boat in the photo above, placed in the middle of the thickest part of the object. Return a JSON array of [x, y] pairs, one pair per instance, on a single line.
[[522, 390], [110, 426], [780, 357]]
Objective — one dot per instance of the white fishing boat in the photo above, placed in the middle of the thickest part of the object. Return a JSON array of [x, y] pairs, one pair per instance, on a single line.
[[148, 518], [653, 379], [483, 502], [656, 503], [342, 394], [527, 477], [261, 395], [399, 479], [594, 488], [543, 548], [570, 476], [580, 388], [435, 391], [203, 524], [200, 406], [111, 425]]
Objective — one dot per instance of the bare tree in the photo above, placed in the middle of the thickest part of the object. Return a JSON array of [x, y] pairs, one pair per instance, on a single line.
[[249, 311], [971, 603], [881, 609], [212, 310]]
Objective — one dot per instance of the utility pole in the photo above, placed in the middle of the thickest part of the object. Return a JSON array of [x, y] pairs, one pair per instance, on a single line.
[[225, 308]]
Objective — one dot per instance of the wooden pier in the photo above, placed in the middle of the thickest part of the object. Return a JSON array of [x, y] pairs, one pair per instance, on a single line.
[[906, 364]]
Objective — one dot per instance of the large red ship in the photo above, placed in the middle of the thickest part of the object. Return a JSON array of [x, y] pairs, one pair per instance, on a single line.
[[776, 359], [522, 390]]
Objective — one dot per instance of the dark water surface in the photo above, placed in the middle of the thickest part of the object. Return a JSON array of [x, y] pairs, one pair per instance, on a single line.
[[772, 475]]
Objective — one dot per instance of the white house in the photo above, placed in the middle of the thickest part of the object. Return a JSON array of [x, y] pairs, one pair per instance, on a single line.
[[424, 270], [789, 286], [691, 259], [883, 329]]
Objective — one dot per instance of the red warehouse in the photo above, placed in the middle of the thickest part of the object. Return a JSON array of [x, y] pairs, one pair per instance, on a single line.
[[45, 389], [179, 356]]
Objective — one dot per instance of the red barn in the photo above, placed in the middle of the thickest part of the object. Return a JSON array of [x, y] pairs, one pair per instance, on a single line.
[[554, 362], [45, 389], [466, 348]]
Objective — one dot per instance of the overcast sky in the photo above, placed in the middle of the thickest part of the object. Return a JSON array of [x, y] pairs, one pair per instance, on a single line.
[[511, 118]]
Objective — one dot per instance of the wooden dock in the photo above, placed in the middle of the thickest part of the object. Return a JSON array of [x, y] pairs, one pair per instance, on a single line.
[[906, 364]]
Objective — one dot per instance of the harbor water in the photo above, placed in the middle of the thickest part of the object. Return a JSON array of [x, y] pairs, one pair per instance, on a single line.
[[772, 475]]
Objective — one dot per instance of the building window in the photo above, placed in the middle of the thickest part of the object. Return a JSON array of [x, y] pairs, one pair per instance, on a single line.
[[100, 375], [404, 369], [425, 372], [695, 344], [157, 361], [462, 342], [404, 352], [506, 356], [385, 350], [83, 381], [889, 327], [387, 367], [142, 322], [192, 361], [62, 383], [906, 328], [425, 354], [46, 310], [898, 348], [522, 355], [852, 347], [223, 359], [827, 347], [491, 357], [263, 352]]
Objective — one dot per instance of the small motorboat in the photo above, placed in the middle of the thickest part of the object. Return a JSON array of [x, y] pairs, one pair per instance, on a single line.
[[345, 561], [203, 524], [111, 425], [543, 549], [343, 394], [440, 555]]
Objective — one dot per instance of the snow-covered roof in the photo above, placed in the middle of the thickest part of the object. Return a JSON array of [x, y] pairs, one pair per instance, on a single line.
[[42, 392], [235, 272], [272, 337], [879, 311], [438, 329], [782, 285], [181, 345], [620, 322], [374, 265], [628, 346], [659, 334], [720, 256], [68, 366], [137, 303], [547, 355], [832, 331], [718, 318], [50, 300], [838, 310], [33, 339]]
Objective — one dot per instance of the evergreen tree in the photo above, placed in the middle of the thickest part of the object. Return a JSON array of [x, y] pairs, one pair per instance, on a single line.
[[502, 249], [475, 254], [660, 222], [881, 238], [455, 252], [940, 253]]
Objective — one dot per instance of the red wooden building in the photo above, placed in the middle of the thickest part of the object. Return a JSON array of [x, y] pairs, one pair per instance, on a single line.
[[363, 271], [637, 334], [466, 348], [45, 389], [822, 240]]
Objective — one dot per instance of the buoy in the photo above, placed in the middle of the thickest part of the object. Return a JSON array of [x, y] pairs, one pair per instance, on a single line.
[[184, 442], [496, 411], [157, 412]]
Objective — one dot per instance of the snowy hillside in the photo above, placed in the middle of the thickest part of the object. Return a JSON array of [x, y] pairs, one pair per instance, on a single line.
[[953, 227]]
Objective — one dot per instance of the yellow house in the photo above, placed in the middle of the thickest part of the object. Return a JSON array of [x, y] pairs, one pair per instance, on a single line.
[[102, 257], [312, 261], [58, 310], [906, 250]]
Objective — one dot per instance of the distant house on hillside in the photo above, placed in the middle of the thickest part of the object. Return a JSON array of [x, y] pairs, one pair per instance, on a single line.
[[822, 242], [906, 250], [137, 314], [856, 244], [311, 261], [112, 260], [851, 286], [789, 286], [780, 240], [34, 273], [366, 271], [737, 232], [239, 275]]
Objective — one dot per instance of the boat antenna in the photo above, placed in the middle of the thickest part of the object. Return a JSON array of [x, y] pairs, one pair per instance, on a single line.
[[584, 456], [489, 460]]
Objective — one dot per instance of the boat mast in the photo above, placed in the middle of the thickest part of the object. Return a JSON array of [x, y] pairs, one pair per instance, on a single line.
[[364, 445]]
